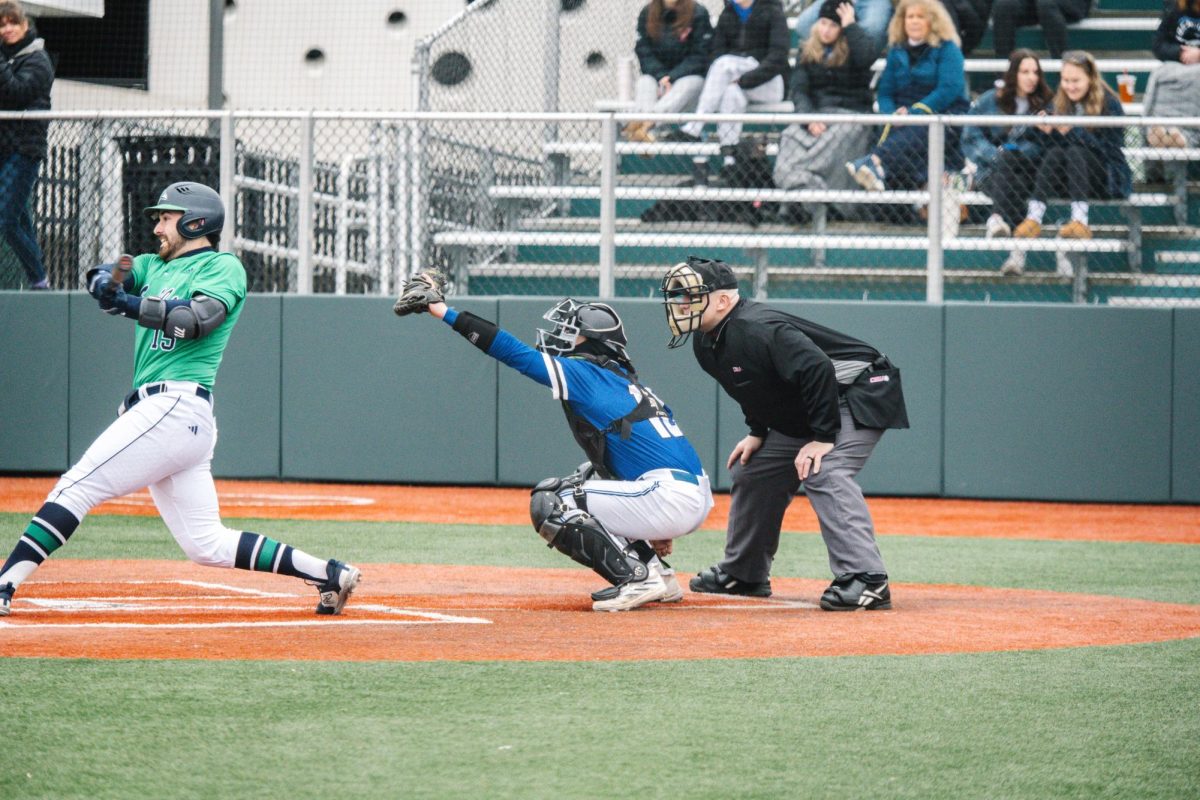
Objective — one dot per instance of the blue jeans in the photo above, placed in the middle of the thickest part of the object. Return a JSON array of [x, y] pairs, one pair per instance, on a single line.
[[18, 173], [872, 16]]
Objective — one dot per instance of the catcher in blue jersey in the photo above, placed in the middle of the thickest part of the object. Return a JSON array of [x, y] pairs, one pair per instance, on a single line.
[[643, 484]]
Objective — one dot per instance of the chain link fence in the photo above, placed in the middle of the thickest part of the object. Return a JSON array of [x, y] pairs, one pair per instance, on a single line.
[[562, 204]]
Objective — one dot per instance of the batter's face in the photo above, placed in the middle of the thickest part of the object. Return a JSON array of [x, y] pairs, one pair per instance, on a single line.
[[170, 243], [12, 31]]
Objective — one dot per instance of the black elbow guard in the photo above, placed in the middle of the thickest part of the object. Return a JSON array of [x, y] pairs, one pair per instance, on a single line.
[[476, 330]]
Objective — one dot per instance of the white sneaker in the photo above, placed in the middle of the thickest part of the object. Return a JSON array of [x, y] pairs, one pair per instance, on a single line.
[[1014, 264], [636, 594], [997, 228]]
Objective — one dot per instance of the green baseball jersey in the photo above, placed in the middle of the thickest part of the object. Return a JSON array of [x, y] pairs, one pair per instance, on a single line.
[[157, 356]]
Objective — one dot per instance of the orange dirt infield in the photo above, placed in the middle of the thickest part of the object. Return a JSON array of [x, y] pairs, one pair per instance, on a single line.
[[404, 612], [1167, 524], [167, 609]]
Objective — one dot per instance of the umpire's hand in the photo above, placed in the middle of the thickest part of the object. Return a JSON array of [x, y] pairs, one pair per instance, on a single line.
[[808, 460]]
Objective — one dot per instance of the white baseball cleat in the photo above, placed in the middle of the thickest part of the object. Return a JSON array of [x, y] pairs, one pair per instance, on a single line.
[[6, 593], [636, 594]]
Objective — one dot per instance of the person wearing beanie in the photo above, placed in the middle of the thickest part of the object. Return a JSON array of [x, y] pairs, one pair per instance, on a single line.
[[26, 75], [832, 76], [872, 17]]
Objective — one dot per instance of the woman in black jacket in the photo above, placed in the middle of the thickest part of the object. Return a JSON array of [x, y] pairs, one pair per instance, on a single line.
[[1078, 162], [674, 37], [25, 78], [750, 57]]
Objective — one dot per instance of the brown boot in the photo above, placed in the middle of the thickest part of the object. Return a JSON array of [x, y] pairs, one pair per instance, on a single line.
[[1028, 229], [1075, 230]]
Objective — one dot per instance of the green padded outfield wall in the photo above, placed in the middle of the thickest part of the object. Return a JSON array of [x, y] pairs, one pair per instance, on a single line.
[[1185, 472], [368, 396], [1059, 403], [34, 381], [1040, 401]]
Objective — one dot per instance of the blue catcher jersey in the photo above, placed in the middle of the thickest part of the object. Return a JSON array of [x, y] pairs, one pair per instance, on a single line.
[[601, 397]]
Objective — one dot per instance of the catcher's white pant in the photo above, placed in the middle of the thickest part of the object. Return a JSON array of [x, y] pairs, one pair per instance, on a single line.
[[661, 504], [165, 442]]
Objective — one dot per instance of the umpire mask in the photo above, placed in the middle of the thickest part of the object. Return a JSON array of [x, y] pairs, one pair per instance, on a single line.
[[597, 323], [686, 291]]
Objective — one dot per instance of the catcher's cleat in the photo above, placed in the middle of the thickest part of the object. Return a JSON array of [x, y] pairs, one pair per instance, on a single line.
[[634, 594], [341, 580], [6, 593], [850, 592], [714, 580], [673, 594]]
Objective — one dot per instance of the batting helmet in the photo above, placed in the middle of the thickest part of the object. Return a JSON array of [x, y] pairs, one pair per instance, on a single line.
[[203, 211], [596, 322]]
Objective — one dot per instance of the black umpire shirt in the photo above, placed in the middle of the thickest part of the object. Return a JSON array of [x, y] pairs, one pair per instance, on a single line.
[[778, 368]]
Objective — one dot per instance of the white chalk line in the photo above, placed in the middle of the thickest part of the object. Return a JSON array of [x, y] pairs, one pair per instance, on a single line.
[[142, 604]]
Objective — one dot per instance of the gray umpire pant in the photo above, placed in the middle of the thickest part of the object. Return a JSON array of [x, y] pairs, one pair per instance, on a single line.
[[763, 489]]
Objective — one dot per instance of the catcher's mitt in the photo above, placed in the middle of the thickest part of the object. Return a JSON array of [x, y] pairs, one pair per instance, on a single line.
[[424, 288]]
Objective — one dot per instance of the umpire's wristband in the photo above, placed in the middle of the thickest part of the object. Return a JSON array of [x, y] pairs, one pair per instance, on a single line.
[[476, 330]]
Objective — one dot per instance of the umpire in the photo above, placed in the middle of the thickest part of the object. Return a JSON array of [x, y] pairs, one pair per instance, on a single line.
[[816, 402]]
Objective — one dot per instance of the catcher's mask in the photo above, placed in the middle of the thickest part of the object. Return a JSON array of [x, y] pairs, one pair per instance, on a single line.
[[203, 211], [596, 322], [686, 291]]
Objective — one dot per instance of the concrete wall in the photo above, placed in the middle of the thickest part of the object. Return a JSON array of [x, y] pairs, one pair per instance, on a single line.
[[1025, 402]]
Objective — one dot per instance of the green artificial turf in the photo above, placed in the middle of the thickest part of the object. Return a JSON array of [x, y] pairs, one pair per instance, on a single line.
[[1083, 723], [1110, 722]]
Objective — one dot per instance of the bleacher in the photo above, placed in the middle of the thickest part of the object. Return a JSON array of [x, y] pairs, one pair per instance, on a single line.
[[1145, 247]]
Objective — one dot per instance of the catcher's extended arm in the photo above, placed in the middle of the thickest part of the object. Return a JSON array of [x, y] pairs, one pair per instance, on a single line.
[[424, 288]]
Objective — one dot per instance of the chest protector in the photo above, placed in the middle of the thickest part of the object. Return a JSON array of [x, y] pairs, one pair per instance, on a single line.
[[591, 438]]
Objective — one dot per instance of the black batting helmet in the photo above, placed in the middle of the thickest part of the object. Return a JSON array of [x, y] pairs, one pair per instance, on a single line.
[[596, 322], [203, 211]]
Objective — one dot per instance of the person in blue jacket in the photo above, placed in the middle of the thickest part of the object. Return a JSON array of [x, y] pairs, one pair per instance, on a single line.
[[643, 484], [923, 75], [1002, 159], [1080, 162]]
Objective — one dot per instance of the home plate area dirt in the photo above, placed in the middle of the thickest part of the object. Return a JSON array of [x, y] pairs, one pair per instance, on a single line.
[[408, 612]]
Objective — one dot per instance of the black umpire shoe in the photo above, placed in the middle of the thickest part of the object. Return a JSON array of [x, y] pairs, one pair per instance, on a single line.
[[852, 591], [714, 580]]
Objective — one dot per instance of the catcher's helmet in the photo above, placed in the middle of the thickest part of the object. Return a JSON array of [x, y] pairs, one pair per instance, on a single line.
[[690, 283], [203, 211], [597, 322]]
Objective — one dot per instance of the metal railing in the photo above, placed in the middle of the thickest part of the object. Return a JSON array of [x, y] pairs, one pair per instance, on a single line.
[[561, 203]]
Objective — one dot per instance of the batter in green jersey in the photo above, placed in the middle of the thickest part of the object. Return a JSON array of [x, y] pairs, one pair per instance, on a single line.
[[186, 299], [157, 355]]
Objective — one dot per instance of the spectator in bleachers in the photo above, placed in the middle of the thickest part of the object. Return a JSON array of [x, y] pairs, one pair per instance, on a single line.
[[873, 17], [1002, 159], [674, 37], [26, 75], [970, 18], [923, 75], [1174, 88], [1053, 16], [1079, 162], [832, 76], [750, 56]]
